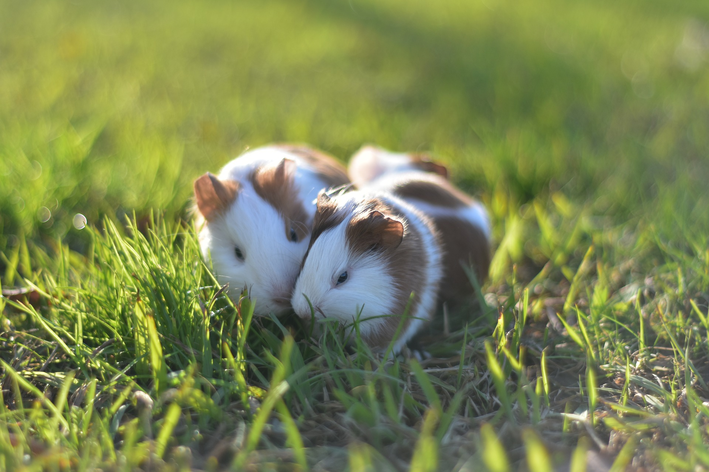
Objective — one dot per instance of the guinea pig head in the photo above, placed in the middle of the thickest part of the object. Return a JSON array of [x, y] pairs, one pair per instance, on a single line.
[[256, 231], [345, 272]]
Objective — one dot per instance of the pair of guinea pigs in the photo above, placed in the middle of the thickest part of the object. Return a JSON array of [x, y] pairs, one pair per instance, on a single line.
[[286, 223]]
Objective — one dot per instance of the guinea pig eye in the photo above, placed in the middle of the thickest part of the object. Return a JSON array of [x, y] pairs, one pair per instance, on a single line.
[[293, 236], [342, 278], [239, 254]]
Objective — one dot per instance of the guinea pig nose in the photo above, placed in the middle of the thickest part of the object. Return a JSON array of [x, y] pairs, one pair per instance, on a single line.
[[303, 306]]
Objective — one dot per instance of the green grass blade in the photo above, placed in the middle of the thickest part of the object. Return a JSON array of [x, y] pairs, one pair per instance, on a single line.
[[624, 456], [157, 360], [425, 457], [21, 382], [295, 440], [493, 453], [538, 459], [278, 388], [170, 421], [499, 379], [580, 456], [425, 384]]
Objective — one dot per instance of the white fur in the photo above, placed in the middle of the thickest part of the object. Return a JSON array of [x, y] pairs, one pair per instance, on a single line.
[[371, 162], [308, 180], [475, 213], [271, 260], [370, 288]]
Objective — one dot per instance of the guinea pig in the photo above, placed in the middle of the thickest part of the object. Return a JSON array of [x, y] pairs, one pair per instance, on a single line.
[[408, 229], [371, 162], [368, 253], [462, 223], [256, 218]]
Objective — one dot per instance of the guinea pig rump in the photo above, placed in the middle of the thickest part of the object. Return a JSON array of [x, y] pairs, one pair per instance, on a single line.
[[371, 163]]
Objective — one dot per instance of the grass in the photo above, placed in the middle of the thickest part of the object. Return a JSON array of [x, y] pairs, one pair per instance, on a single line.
[[580, 125]]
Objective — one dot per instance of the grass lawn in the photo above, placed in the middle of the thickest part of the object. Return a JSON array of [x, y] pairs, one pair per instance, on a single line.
[[582, 126]]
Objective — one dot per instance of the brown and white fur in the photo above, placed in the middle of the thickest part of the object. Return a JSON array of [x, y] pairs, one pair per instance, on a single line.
[[256, 218], [384, 249], [461, 221], [407, 229], [371, 162]]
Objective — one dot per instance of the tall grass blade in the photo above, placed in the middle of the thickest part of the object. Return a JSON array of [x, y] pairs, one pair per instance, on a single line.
[[278, 388], [493, 453], [157, 360], [425, 457], [538, 459], [170, 421], [624, 456], [579, 457], [499, 379], [426, 385], [295, 440]]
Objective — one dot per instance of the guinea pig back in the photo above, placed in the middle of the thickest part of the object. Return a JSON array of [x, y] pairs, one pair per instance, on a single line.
[[462, 224], [372, 162]]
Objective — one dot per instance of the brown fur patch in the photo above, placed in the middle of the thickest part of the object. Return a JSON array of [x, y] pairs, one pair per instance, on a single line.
[[461, 241], [464, 243], [402, 255], [214, 196], [436, 191], [373, 230], [332, 172], [276, 185]]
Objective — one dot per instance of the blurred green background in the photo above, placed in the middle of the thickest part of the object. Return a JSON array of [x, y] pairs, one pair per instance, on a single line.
[[109, 107]]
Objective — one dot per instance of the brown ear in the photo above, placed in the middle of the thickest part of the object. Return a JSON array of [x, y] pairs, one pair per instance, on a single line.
[[274, 183], [375, 230], [436, 169], [284, 171], [425, 163], [214, 196], [323, 198]]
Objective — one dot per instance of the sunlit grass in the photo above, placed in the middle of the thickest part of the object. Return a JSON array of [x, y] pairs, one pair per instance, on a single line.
[[581, 126]]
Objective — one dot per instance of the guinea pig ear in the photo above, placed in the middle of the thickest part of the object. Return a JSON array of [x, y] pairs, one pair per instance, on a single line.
[[426, 164], [388, 230], [284, 171], [376, 230], [213, 195], [323, 198]]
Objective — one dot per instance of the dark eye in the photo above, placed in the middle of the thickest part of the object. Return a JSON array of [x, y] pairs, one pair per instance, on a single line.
[[293, 235], [239, 254], [342, 278]]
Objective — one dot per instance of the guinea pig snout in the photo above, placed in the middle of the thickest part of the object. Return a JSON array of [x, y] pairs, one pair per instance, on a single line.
[[302, 306]]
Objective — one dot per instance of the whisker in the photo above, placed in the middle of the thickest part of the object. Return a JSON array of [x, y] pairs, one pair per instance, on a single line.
[[301, 225]]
